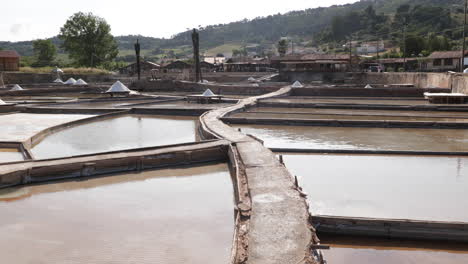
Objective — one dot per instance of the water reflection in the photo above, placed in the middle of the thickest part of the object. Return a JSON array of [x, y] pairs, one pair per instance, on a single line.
[[360, 250], [401, 187], [120, 133], [359, 138], [165, 216]]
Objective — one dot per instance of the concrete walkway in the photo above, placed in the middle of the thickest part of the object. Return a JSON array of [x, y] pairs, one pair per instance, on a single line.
[[279, 229]]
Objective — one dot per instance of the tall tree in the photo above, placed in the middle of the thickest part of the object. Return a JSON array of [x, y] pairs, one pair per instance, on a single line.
[[414, 45], [44, 52], [88, 40], [282, 47]]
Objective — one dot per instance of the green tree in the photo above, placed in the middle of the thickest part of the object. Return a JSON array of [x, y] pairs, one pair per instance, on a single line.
[[414, 45], [44, 52], [88, 40], [239, 52], [282, 47]]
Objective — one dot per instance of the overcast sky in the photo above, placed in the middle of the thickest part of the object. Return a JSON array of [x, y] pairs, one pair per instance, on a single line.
[[32, 19]]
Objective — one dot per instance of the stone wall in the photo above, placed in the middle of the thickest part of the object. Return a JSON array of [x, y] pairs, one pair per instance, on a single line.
[[183, 86], [456, 81]]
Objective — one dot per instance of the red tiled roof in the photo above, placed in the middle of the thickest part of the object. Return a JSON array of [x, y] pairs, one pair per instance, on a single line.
[[311, 57], [446, 54], [9, 54]]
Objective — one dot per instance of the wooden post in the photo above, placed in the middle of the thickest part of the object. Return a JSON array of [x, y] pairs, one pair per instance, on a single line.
[[2, 84]]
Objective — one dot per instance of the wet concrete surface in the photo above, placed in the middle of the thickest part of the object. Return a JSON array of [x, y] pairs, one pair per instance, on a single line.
[[357, 112], [349, 138], [126, 132], [298, 100], [21, 126], [169, 216], [431, 188], [358, 250], [344, 117], [10, 154]]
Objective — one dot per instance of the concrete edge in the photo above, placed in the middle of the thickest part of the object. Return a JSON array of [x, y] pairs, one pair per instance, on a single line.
[[367, 151], [392, 228], [125, 161], [347, 123]]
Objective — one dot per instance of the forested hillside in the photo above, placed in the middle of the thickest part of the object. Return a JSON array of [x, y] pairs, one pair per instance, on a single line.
[[363, 20]]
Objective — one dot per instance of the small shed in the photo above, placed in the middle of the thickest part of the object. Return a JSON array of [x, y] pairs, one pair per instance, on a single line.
[[146, 68], [177, 66], [9, 60]]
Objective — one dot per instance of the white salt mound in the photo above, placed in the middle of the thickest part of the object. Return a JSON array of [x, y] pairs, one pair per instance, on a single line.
[[70, 81], [1, 102], [80, 82], [118, 87], [368, 86], [16, 88], [297, 84], [58, 80], [208, 92]]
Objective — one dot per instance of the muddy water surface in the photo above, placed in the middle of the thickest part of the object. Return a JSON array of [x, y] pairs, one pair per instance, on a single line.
[[117, 134], [354, 250], [168, 216], [311, 137], [378, 186]]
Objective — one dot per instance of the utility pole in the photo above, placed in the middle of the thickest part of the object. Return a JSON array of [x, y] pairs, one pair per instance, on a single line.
[[292, 46], [404, 46], [196, 55], [137, 53], [350, 53], [378, 46], [462, 65]]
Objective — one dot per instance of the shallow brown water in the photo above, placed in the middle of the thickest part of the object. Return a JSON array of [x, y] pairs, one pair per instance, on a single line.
[[167, 216], [311, 137], [119, 133], [379, 186], [355, 250]]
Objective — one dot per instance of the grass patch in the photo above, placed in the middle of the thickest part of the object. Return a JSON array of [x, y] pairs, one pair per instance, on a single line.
[[225, 48]]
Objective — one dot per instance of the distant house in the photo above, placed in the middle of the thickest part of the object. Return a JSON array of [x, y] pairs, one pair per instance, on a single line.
[[371, 47], [312, 63], [9, 60], [247, 64], [393, 64], [215, 60], [146, 67], [207, 67], [179, 66], [444, 61]]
